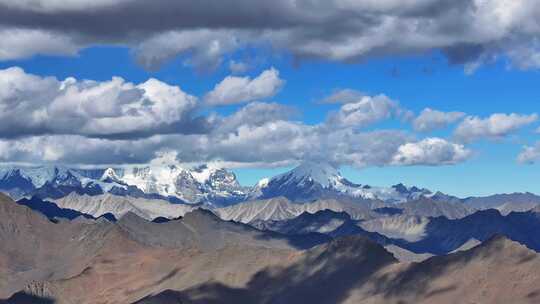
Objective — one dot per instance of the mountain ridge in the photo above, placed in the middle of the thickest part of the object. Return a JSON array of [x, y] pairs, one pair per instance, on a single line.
[[217, 187]]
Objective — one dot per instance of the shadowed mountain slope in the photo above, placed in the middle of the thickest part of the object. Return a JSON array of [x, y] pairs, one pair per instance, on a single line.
[[419, 235], [355, 270]]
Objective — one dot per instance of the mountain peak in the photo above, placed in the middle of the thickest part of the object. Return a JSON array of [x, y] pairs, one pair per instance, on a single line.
[[501, 245], [109, 175], [263, 182], [321, 173]]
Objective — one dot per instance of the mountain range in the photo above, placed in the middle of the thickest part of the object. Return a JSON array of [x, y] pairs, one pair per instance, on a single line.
[[311, 202], [412, 220], [415, 234], [200, 258], [201, 184], [216, 187]]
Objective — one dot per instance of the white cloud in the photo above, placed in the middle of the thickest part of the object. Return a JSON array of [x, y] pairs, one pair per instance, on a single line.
[[430, 119], [87, 122], [530, 154], [34, 105], [235, 90], [256, 114], [430, 151], [366, 111], [22, 43], [269, 144], [495, 126]]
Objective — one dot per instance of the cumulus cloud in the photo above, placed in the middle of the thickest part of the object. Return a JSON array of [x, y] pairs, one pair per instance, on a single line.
[[495, 126], [273, 143], [20, 43], [530, 154], [365, 111], [85, 122], [34, 105], [235, 90], [256, 114], [466, 31], [430, 151], [205, 47], [430, 119]]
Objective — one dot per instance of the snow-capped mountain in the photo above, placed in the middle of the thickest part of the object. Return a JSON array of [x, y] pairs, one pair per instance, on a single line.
[[51, 181], [217, 187], [202, 184], [310, 181]]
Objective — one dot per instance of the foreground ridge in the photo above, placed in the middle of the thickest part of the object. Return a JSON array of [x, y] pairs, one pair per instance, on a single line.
[[200, 258]]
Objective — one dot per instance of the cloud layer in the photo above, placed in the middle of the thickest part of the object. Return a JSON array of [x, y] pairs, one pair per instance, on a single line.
[[430, 119], [364, 111], [496, 126], [34, 105], [468, 32], [234, 90], [87, 122], [430, 151]]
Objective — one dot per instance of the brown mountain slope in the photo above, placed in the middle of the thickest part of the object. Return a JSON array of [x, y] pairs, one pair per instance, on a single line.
[[354, 270], [33, 248], [102, 262], [201, 259]]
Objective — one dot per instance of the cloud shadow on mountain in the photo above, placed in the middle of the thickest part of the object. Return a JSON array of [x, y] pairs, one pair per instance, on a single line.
[[339, 266]]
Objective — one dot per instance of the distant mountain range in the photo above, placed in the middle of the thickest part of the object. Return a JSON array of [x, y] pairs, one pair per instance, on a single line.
[[200, 258], [437, 236], [197, 185], [313, 199], [217, 187]]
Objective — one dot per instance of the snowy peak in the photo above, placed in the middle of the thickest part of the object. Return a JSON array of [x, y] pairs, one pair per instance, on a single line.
[[311, 181], [203, 184], [307, 182], [214, 177], [203, 173], [310, 172], [37, 176], [263, 182], [109, 175]]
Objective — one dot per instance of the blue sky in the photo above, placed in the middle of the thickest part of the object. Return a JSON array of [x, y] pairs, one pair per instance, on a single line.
[[244, 84], [416, 82]]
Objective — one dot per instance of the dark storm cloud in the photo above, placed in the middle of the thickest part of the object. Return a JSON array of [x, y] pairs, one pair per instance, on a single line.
[[117, 20], [342, 30]]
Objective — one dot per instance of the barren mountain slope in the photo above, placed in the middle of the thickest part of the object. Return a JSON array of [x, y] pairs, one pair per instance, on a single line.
[[87, 261], [202, 259], [355, 270], [33, 248]]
